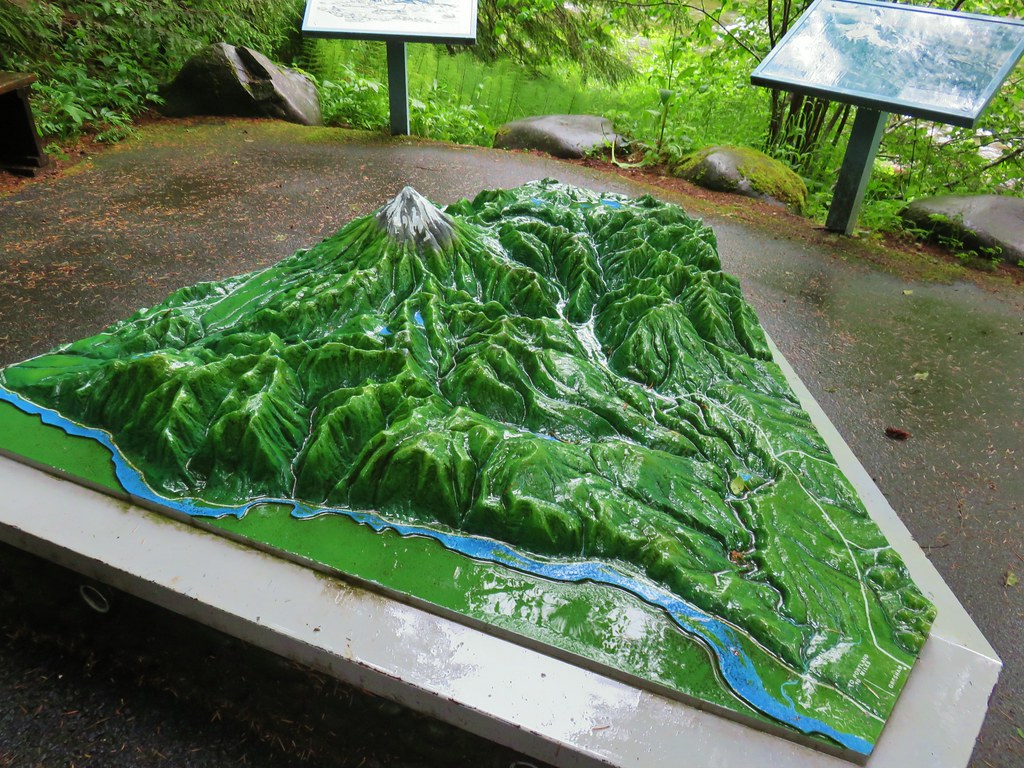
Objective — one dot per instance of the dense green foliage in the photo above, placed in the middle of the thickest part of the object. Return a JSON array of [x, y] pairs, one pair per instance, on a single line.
[[99, 62], [571, 374], [672, 74], [542, 33]]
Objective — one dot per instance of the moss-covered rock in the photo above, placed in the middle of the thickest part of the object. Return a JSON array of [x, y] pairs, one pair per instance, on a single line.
[[746, 172]]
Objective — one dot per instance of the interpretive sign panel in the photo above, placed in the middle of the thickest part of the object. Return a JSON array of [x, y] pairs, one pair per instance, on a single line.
[[924, 62], [396, 22], [429, 21], [883, 57]]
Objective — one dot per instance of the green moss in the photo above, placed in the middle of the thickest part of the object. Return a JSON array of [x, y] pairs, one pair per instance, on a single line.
[[772, 177], [688, 167], [766, 176]]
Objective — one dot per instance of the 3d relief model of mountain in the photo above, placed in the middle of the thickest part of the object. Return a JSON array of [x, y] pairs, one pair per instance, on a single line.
[[546, 371]]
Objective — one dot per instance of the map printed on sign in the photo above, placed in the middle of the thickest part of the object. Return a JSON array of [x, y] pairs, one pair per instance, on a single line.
[[435, 21], [911, 60], [546, 410]]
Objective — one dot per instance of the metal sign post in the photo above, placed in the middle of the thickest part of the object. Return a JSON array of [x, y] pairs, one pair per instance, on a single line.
[[884, 57], [856, 170], [395, 22], [398, 88]]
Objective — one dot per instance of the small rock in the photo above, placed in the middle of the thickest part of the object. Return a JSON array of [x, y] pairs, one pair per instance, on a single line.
[[993, 225], [894, 433], [224, 79], [567, 136], [746, 172]]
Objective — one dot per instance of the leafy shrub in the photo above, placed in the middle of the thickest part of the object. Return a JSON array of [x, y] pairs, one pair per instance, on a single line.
[[439, 116], [354, 102], [99, 62]]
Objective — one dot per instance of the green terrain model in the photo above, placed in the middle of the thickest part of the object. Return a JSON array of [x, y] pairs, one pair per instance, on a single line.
[[542, 377]]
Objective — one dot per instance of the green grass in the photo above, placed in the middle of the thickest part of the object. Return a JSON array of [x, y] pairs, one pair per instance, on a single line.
[[460, 98]]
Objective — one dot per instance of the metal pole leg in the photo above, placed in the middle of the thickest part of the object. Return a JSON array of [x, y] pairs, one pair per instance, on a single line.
[[398, 88], [856, 170]]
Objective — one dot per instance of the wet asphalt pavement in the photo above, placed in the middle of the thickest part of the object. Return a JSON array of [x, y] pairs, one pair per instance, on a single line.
[[184, 203]]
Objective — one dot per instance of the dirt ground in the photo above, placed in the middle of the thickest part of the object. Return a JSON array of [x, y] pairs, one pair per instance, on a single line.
[[897, 253]]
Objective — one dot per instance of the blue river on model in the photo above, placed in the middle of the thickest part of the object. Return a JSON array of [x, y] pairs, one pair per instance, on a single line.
[[733, 662]]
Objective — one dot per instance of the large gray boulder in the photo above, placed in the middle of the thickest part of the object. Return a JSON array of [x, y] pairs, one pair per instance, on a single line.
[[567, 136], [993, 225], [744, 171], [224, 79]]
